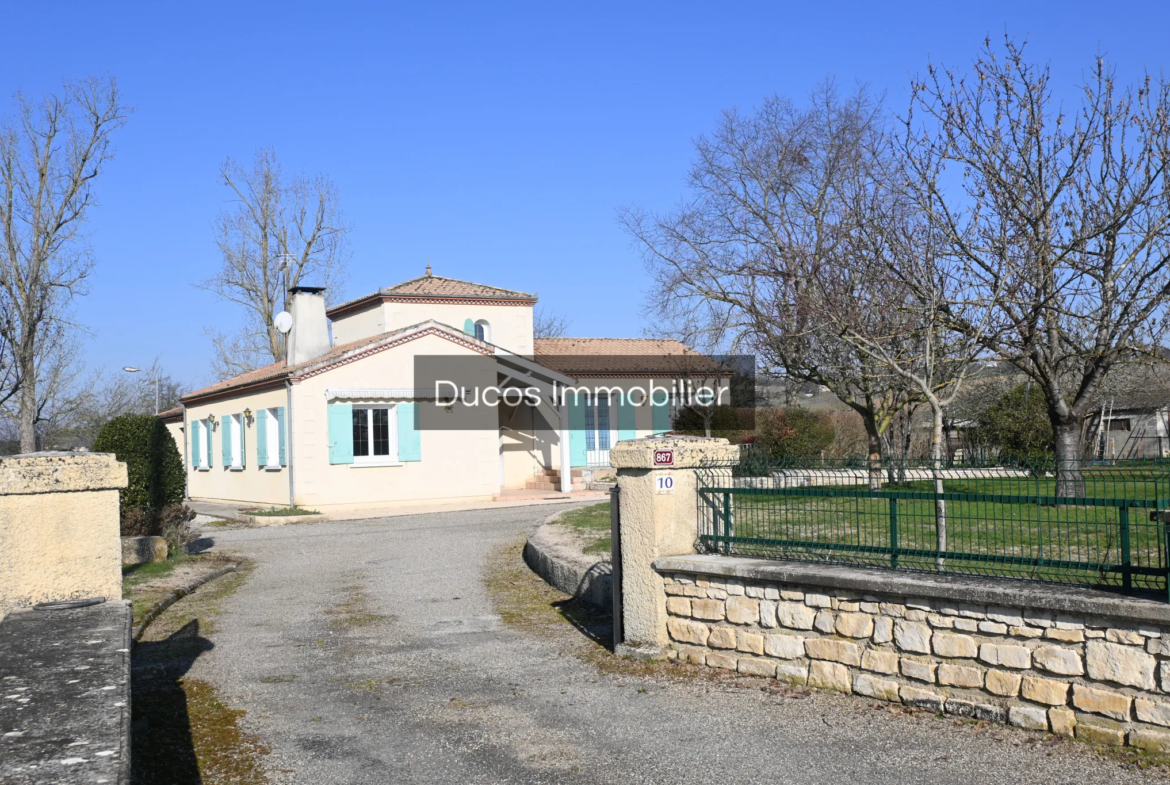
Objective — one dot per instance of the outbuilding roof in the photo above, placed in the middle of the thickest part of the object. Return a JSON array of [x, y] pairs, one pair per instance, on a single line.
[[433, 287], [625, 356]]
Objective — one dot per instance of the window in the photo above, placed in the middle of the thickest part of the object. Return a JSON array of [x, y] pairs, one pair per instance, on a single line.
[[200, 445], [272, 439], [375, 435], [233, 433], [483, 331]]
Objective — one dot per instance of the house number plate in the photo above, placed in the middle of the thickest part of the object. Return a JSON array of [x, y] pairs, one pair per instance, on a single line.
[[663, 483], [664, 457]]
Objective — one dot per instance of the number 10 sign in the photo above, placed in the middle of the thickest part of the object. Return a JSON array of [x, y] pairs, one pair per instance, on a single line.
[[663, 483]]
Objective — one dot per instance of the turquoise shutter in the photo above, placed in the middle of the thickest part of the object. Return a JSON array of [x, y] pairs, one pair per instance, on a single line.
[[577, 452], [341, 433], [627, 429], [207, 433], [225, 439], [243, 441], [661, 416], [280, 435], [262, 438], [409, 437], [469, 327], [196, 454]]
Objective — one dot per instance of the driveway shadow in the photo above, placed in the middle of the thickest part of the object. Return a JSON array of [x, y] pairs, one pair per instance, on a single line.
[[588, 620], [162, 751]]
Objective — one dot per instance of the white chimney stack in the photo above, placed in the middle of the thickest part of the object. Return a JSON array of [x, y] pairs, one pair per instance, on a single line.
[[309, 337]]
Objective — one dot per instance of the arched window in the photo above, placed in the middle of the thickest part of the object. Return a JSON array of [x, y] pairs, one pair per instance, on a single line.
[[483, 331]]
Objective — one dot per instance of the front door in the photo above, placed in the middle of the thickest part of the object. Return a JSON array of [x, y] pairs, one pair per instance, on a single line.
[[598, 434]]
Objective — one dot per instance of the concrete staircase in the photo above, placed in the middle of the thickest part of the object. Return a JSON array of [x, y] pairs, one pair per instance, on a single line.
[[547, 484]]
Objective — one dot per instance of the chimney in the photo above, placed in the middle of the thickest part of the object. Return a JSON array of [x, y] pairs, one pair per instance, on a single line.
[[309, 337]]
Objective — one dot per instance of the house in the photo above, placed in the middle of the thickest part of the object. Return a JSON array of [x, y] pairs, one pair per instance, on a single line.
[[431, 390]]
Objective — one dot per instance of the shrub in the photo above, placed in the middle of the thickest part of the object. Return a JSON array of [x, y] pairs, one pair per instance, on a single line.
[[153, 465], [793, 433], [1017, 425], [174, 525], [724, 422]]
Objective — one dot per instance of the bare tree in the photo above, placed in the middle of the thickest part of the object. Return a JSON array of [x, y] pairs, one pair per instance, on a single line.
[[282, 232], [772, 195], [1065, 213], [51, 155], [549, 325]]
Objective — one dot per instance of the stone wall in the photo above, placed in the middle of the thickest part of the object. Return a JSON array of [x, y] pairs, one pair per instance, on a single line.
[[1102, 679]]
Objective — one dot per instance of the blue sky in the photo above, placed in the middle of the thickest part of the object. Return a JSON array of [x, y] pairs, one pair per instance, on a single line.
[[496, 139]]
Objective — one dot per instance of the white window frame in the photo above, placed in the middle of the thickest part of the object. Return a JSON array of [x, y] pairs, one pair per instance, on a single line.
[[487, 330], [204, 444], [236, 423], [272, 439], [364, 461]]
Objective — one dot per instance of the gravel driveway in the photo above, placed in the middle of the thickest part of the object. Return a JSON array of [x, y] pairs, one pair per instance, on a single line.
[[368, 652]]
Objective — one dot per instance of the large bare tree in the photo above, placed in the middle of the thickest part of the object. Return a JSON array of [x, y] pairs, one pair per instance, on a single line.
[[1064, 212], [772, 205], [281, 232], [51, 154]]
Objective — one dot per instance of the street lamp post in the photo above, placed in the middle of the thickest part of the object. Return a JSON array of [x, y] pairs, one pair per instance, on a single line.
[[132, 369]]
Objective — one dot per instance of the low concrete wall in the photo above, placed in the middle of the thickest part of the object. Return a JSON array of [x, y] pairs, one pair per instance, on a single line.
[[143, 550], [59, 536], [553, 556], [1069, 661]]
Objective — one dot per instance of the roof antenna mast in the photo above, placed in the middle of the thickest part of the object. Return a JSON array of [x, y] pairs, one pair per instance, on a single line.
[[428, 267]]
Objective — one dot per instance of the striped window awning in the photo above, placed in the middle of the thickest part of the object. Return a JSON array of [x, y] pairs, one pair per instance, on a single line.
[[366, 393]]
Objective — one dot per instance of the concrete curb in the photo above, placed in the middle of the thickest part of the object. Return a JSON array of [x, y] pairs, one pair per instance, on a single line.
[[572, 572], [174, 597]]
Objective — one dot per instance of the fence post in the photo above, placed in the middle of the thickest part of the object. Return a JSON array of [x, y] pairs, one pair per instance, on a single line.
[[615, 532], [657, 519], [727, 533], [893, 533], [1126, 554]]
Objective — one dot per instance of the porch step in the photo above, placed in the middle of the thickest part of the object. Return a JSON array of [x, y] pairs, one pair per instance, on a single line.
[[576, 474], [552, 484]]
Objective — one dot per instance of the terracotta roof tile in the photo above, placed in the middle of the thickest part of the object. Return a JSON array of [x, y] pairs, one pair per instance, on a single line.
[[577, 356], [438, 287]]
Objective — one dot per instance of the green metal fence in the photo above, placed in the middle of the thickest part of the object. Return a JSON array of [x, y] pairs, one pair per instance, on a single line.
[[1089, 524]]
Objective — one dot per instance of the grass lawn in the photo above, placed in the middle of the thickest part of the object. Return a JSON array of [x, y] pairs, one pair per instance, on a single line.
[[282, 511], [845, 523], [591, 522]]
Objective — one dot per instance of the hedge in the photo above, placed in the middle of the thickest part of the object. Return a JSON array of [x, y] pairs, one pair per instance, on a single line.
[[153, 463]]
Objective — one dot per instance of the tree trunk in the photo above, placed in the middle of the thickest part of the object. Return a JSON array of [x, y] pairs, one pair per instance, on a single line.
[[1070, 481], [940, 504], [875, 451], [28, 404]]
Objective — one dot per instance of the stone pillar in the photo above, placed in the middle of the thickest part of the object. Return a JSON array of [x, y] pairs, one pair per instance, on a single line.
[[657, 521], [59, 528]]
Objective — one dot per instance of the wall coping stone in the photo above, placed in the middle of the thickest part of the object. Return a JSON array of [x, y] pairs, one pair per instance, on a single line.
[[60, 472], [976, 591], [690, 452]]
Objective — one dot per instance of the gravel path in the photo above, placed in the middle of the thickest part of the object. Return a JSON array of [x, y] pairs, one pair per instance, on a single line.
[[368, 652]]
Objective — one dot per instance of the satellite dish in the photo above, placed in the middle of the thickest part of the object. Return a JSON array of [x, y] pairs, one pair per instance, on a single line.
[[283, 321]]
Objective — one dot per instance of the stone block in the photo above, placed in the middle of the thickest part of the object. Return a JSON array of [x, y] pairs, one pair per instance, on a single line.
[[771, 593], [1028, 717], [1110, 704], [940, 622], [919, 604], [993, 628], [1065, 636], [880, 661], [871, 608], [693, 654], [1035, 618], [735, 587], [1047, 691], [1152, 711], [718, 659], [678, 606], [792, 672], [950, 644], [914, 615], [1130, 637], [1008, 616], [966, 625], [989, 712], [710, 610], [1100, 734], [883, 629], [824, 622], [1159, 645], [829, 676], [923, 699], [1149, 739], [715, 593], [743, 610], [686, 631], [757, 666], [818, 600], [972, 611], [960, 676], [873, 687], [959, 708], [786, 647], [834, 650], [1122, 664], [749, 641], [756, 592], [846, 607], [854, 625], [912, 636], [918, 670], [798, 616], [768, 614], [1003, 683], [143, 550], [1025, 632], [792, 595], [892, 609], [1066, 622], [1007, 655], [1062, 721], [722, 638], [1057, 659], [1164, 676]]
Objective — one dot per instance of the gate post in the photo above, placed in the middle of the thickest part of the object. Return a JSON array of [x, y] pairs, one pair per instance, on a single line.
[[658, 493]]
